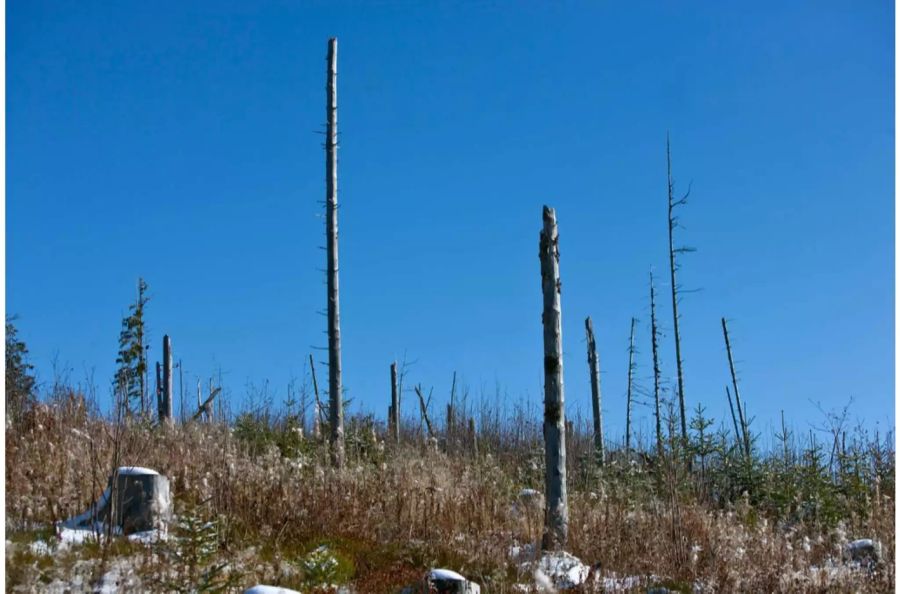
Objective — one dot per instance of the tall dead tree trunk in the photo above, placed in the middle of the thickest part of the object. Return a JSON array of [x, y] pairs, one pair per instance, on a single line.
[[167, 391], [594, 367], [556, 513], [654, 333], [628, 393], [745, 434], [395, 404], [331, 208], [673, 267]]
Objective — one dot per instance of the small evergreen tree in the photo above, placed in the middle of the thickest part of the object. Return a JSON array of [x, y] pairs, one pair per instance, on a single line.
[[132, 360], [20, 383]]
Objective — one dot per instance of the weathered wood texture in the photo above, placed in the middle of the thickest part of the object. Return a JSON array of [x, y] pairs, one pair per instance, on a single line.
[[556, 513], [331, 223]]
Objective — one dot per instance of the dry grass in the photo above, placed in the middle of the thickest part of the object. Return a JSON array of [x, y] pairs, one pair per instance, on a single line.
[[393, 512]]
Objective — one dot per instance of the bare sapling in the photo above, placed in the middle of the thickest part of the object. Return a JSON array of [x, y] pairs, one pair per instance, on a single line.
[[395, 404], [654, 339]]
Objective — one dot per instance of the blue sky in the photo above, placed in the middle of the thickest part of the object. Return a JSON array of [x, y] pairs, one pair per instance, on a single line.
[[180, 142]]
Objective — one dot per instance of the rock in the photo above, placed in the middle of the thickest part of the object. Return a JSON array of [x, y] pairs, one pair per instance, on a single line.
[[560, 571]]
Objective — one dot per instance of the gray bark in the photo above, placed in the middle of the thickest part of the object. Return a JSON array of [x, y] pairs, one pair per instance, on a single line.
[[628, 393], [654, 333], [167, 391], [331, 207], [737, 395], [594, 367], [395, 403], [673, 266], [556, 513]]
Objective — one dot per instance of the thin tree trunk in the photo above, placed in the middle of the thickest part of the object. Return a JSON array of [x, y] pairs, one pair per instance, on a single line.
[[395, 403], [181, 388], [737, 394], [672, 269], [159, 398], [167, 382], [556, 513], [654, 333], [593, 366], [331, 207], [737, 433], [630, 383]]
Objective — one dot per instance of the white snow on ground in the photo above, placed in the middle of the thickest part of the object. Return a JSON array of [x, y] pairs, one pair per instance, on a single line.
[[269, 590], [66, 537], [560, 569]]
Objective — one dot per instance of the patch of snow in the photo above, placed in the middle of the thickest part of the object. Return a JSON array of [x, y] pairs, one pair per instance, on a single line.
[[262, 589], [135, 471], [445, 574], [560, 569]]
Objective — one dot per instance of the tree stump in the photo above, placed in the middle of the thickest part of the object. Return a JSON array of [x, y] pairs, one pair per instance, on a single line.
[[141, 499]]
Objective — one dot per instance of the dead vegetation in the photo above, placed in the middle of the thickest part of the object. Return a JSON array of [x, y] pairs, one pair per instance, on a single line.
[[257, 502]]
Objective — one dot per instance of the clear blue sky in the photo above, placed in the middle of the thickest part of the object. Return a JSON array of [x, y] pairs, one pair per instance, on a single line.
[[178, 141]]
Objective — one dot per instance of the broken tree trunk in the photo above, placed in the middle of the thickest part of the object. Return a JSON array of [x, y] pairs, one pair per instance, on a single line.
[[166, 413], [654, 333], [424, 406], [737, 395], [395, 404], [556, 512], [594, 368], [628, 393], [206, 406], [335, 394], [317, 420]]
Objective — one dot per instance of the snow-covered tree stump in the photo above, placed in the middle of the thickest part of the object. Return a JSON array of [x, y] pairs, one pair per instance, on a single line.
[[141, 499]]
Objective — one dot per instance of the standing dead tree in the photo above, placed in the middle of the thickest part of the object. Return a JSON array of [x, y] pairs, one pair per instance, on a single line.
[[166, 410], [673, 268], [630, 384], [331, 230], [556, 513], [654, 335], [424, 404], [594, 367], [395, 404], [745, 433]]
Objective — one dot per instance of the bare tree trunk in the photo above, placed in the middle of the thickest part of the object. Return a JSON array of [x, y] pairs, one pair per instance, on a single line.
[[424, 407], [737, 395], [630, 383], [673, 267], [331, 207], [159, 401], [594, 366], [737, 432], [395, 404], [181, 388], [654, 333], [167, 416], [556, 513]]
